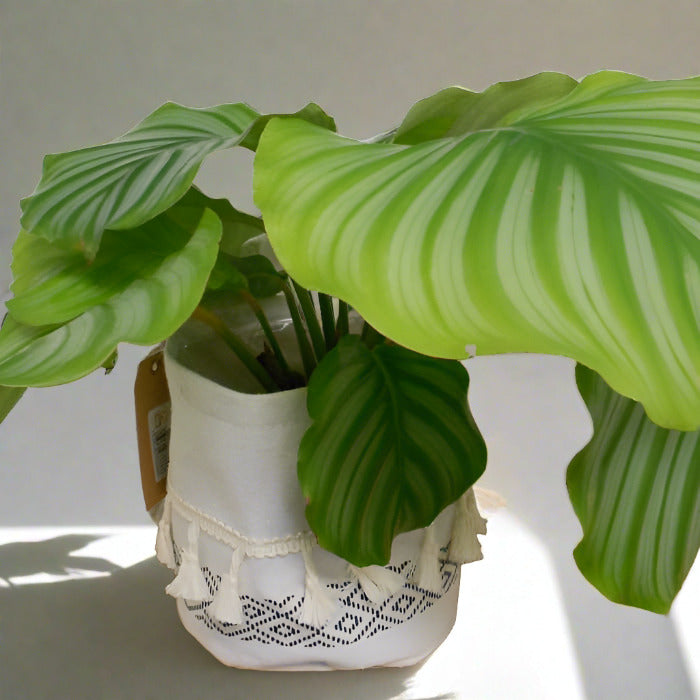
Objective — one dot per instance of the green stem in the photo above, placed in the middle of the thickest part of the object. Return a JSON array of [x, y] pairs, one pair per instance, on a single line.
[[307, 306], [238, 347], [307, 355], [370, 336], [327, 319], [343, 327], [267, 329]]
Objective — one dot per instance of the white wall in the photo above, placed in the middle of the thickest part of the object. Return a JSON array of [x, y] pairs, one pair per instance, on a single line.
[[77, 72]]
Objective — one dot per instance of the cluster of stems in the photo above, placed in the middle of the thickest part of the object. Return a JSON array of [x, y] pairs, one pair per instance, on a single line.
[[315, 337]]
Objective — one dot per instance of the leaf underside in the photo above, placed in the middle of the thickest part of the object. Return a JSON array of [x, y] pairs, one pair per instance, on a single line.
[[392, 443], [636, 490], [567, 226]]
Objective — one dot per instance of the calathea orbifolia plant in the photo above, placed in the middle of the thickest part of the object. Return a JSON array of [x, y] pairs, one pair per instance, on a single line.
[[543, 215]]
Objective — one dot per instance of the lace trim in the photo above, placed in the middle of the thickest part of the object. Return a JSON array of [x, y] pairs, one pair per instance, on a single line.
[[254, 548], [319, 605]]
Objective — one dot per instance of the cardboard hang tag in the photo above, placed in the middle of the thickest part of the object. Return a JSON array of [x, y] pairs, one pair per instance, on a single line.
[[152, 401]]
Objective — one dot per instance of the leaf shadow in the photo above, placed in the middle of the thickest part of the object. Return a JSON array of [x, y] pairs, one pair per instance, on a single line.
[[119, 636]]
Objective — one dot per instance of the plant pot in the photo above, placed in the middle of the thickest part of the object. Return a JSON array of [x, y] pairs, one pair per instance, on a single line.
[[252, 585]]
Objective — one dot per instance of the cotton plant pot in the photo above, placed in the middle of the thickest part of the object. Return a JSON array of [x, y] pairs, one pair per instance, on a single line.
[[252, 585]]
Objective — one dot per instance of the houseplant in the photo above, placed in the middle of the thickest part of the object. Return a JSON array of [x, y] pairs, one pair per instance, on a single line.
[[542, 215]]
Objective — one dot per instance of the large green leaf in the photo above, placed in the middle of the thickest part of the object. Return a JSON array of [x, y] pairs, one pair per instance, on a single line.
[[122, 184], [636, 490], [392, 443], [148, 283], [570, 228]]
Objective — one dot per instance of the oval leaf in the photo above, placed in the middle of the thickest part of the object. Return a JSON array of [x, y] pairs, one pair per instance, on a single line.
[[569, 229], [126, 182], [144, 308], [392, 443], [636, 490]]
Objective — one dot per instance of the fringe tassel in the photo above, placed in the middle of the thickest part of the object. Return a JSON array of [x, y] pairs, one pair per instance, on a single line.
[[377, 582], [226, 606], [189, 582], [318, 605], [427, 574], [164, 541], [467, 524]]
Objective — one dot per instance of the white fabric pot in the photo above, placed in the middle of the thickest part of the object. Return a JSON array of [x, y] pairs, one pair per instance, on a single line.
[[252, 585]]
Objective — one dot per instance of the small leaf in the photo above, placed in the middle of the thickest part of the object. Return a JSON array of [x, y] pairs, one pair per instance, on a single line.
[[263, 279], [145, 307], [636, 490], [392, 443], [312, 114], [225, 276], [238, 227], [9, 396], [126, 182], [457, 112]]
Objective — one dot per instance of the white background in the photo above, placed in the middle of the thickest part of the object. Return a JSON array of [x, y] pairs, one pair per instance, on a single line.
[[78, 72]]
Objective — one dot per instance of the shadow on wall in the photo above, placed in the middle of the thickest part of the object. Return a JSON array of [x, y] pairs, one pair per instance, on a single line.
[[534, 421], [119, 636]]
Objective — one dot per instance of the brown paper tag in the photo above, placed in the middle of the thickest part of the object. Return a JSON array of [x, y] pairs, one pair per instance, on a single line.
[[152, 400]]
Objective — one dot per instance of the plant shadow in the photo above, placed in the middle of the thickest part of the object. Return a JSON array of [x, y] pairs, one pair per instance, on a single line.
[[118, 635]]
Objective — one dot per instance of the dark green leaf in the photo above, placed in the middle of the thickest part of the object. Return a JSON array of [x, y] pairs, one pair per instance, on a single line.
[[238, 227], [263, 279], [9, 396], [225, 277], [392, 443], [636, 490]]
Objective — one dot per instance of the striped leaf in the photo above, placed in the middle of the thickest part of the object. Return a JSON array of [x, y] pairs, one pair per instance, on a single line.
[[122, 184], [392, 443], [570, 227], [636, 490], [147, 283]]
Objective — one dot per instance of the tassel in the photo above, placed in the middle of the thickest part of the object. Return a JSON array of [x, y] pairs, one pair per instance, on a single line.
[[467, 524], [226, 606], [164, 541], [377, 582], [189, 582], [318, 605], [428, 575]]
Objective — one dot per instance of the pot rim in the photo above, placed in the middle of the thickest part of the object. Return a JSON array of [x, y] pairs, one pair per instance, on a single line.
[[231, 405]]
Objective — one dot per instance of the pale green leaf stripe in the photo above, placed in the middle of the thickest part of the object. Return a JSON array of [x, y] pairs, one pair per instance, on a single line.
[[126, 182], [147, 310], [392, 443], [530, 237], [636, 490]]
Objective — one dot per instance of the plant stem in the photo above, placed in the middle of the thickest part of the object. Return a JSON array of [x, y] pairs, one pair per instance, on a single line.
[[267, 329], [370, 336], [307, 306], [343, 327], [238, 347], [307, 355], [327, 319]]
